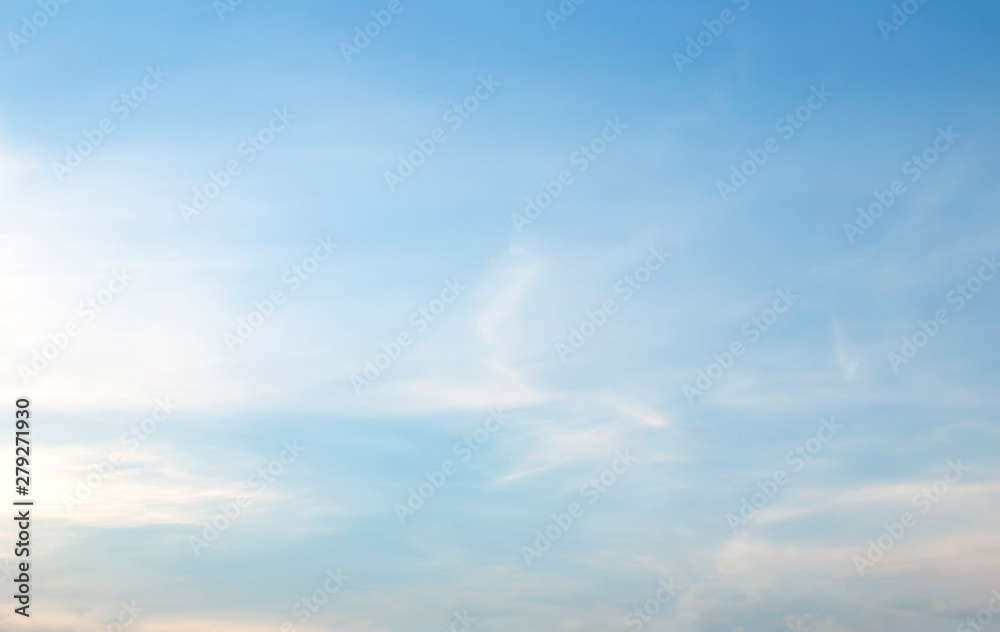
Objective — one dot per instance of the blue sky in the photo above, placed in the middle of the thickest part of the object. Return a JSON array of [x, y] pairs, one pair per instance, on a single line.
[[497, 302]]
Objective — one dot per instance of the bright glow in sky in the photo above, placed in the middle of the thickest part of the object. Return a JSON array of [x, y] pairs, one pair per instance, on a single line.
[[504, 316]]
